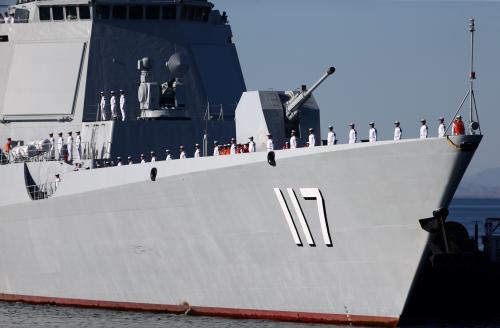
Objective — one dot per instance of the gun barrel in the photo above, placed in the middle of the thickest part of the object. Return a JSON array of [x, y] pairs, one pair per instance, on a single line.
[[293, 105]]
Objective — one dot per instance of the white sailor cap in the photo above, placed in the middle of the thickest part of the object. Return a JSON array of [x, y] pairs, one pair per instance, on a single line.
[[396, 122], [269, 134], [423, 120], [152, 152], [232, 139], [459, 116], [371, 123], [197, 145], [112, 91], [129, 157], [351, 124], [215, 142], [142, 155], [102, 92], [330, 127], [167, 151], [441, 118], [121, 90], [311, 129], [181, 147], [119, 158], [77, 132]]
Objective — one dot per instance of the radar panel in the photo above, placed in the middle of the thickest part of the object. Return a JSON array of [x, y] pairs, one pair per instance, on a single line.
[[43, 79]]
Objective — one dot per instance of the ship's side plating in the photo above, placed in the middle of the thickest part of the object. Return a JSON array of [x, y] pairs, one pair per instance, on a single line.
[[211, 232]]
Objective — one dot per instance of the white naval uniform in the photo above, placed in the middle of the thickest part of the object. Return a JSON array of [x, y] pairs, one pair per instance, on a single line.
[[52, 147], [153, 159], [143, 161], [60, 143], [123, 106], [312, 140], [169, 157], [182, 155], [251, 147], [9, 20], [119, 164], [270, 145], [352, 136], [397, 133], [197, 153], [112, 102], [216, 151], [103, 108], [78, 144], [293, 142], [330, 139], [69, 144], [372, 135], [441, 130], [232, 151], [423, 131]]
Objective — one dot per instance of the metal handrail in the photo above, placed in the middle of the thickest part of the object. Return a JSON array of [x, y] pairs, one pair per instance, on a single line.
[[42, 191], [50, 155]]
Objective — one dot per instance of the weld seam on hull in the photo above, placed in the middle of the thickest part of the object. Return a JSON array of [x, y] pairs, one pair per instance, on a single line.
[[306, 317]]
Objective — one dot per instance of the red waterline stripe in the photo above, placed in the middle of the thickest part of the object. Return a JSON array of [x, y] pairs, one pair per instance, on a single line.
[[306, 317]]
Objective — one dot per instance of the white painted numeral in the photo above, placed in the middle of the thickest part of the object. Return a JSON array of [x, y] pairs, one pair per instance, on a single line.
[[307, 193]]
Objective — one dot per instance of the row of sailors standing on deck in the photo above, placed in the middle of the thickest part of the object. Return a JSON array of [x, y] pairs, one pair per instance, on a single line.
[[65, 150], [112, 102]]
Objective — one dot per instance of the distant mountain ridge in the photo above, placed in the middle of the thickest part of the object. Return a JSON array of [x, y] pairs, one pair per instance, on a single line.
[[485, 184]]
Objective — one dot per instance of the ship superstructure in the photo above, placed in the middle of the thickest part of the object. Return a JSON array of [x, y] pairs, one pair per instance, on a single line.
[[308, 234]]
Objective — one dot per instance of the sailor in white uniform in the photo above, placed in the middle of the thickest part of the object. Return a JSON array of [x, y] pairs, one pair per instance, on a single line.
[[251, 145], [423, 129], [69, 144], [197, 151], [269, 144], [119, 161], [352, 134], [293, 140], [142, 159], [78, 146], [183, 153], [372, 132], [112, 102], [10, 19], [168, 155], [232, 150], [52, 146], [123, 104], [129, 158], [312, 139], [60, 144], [441, 128], [398, 133], [331, 138], [102, 106], [153, 157], [216, 148]]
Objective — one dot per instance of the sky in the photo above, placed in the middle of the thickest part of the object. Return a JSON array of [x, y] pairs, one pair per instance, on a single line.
[[395, 60]]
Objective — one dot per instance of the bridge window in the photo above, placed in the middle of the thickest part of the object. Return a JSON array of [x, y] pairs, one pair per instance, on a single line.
[[168, 12], [153, 12], [102, 12], [84, 12], [71, 13], [135, 12], [120, 12], [57, 13], [195, 13], [44, 13]]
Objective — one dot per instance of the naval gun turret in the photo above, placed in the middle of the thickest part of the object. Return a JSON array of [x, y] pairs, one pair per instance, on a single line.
[[161, 101], [278, 113], [293, 105]]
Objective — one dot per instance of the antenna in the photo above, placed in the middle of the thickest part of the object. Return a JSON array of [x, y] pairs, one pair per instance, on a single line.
[[473, 115]]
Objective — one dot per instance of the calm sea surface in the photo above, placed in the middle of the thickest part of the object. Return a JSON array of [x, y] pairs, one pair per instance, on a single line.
[[465, 211]]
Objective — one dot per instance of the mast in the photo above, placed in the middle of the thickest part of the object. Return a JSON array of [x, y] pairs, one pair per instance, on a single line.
[[472, 76]]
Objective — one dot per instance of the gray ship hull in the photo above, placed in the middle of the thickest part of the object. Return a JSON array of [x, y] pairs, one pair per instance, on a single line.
[[213, 236]]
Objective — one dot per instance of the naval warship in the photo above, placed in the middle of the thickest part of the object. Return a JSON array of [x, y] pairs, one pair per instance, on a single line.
[[308, 234]]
